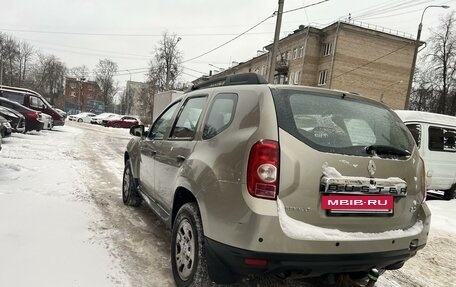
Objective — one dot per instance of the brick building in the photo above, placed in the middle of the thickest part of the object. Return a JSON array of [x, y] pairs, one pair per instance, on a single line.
[[356, 57], [82, 96]]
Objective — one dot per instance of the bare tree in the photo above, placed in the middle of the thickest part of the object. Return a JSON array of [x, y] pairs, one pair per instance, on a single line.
[[165, 66], [25, 55], [80, 72], [104, 73], [442, 60], [48, 77], [10, 53]]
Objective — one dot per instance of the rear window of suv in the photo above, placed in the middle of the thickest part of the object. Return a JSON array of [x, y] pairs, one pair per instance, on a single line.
[[344, 124]]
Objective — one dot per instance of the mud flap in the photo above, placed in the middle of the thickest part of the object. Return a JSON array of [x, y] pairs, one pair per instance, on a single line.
[[218, 271]]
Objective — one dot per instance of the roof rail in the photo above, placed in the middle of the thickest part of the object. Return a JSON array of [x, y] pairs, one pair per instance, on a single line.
[[232, 80]]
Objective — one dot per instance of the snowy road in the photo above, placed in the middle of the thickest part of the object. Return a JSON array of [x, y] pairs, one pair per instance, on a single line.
[[63, 223]]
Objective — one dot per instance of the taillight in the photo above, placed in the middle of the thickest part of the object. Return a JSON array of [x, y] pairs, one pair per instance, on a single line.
[[263, 169], [33, 115]]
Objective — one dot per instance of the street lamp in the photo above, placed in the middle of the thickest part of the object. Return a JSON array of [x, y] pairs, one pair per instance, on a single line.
[[417, 44]]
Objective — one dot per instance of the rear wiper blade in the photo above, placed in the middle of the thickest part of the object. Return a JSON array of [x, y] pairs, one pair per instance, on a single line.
[[386, 150]]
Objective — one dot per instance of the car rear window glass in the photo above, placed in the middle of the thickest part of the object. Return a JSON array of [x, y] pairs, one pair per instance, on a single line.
[[442, 139], [13, 96], [220, 115], [344, 124]]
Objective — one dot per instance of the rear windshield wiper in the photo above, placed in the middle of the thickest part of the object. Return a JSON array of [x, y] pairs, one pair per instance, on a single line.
[[386, 150]]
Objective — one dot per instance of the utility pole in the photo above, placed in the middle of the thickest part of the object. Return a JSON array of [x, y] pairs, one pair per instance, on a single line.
[[415, 53], [276, 43], [128, 106]]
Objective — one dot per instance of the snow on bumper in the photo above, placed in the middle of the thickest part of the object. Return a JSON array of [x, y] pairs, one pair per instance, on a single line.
[[296, 229]]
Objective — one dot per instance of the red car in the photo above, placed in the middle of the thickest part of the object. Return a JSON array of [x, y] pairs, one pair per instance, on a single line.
[[121, 122]]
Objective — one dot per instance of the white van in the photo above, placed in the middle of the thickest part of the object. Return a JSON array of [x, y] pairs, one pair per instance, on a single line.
[[435, 137]]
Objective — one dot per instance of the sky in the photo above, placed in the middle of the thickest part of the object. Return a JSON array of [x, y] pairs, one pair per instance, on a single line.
[[81, 32]]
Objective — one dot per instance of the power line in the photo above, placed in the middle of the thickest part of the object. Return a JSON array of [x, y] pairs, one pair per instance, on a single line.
[[123, 34], [229, 41], [251, 28], [303, 7]]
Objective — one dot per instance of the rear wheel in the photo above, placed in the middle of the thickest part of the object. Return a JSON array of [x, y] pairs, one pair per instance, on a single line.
[[187, 249], [450, 194], [130, 194]]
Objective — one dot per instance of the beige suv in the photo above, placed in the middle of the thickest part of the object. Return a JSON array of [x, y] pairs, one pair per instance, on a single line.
[[256, 179]]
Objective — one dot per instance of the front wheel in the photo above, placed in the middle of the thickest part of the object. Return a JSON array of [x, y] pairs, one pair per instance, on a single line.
[[79, 120], [187, 249], [130, 194]]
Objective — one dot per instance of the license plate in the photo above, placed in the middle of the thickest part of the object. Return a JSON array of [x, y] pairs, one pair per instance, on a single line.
[[358, 203]]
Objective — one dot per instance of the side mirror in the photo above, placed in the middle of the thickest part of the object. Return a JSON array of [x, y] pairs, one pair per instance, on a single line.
[[137, 131]]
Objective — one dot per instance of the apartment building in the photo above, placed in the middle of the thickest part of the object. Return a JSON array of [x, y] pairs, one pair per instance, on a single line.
[[81, 95], [352, 56]]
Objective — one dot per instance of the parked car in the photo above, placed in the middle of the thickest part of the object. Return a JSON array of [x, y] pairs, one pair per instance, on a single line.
[[81, 117], [16, 119], [255, 178], [61, 112], [435, 136], [32, 100], [48, 123], [121, 122], [5, 127], [32, 118], [98, 119]]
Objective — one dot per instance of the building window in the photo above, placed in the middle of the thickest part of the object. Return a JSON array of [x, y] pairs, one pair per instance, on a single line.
[[326, 49], [291, 78], [263, 70], [295, 53], [301, 51], [297, 78], [323, 76]]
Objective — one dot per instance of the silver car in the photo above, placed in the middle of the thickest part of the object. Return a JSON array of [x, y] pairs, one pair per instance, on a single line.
[[257, 179]]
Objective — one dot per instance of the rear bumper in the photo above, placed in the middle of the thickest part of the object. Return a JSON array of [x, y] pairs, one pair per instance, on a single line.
[[220, 255], [34, 125], [59, 123]]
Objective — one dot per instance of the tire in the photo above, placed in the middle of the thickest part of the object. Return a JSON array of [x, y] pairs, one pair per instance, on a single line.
[[189, 268], [130, 194], [79, 120], [117, 126], [450, 193]]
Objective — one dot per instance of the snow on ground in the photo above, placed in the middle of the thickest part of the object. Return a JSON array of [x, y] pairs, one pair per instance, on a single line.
[[62, 221], [46, 216]]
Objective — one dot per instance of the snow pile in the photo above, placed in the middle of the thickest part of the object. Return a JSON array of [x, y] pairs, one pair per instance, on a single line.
[[331, 172]]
